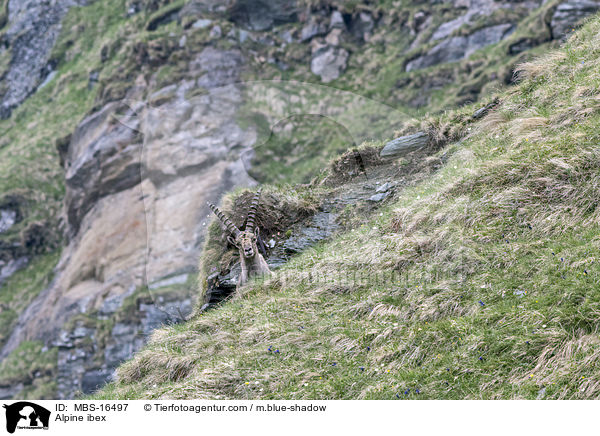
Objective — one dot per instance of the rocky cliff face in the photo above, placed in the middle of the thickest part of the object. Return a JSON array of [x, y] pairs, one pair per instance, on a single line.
[[27, 41], [169, 130], [137, 186]]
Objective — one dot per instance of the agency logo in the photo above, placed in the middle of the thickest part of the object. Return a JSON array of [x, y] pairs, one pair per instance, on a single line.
[[26, 415]]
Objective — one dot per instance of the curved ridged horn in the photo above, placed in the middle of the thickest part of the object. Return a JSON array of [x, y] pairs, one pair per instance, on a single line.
[[252, 212], [226, 221]]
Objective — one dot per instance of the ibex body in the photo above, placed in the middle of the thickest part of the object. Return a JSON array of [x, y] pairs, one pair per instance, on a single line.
[[252, 262]]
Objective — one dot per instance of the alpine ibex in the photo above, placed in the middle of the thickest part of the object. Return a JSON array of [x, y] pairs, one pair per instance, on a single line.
[[252, 262]]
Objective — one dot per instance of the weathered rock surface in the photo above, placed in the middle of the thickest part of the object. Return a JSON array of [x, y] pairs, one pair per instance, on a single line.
[[10, 266], [379, 197], [7, 219], [263, 14], [474, 10], [28, 40], [87, 360], [460, 47], [568, 14], [104, 157], [404, 144], [329, 62], [316, 26], [138, 180]]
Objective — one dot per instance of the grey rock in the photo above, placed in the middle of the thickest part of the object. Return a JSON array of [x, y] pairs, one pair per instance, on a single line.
[[176, 280], [163, 95], [404, 144], [337, 20], [243, 36], [48, 79], [287, 36], [155, 317], [385, 187], [475, 10], [94, 379], [479, 113], [92, 79], [103, 158], [221, 67], [216, 32], [316, 26], [111, 305], [125, 340], [460, 47], [321, 226], [32, 30], [569, 14], [8, 268], [10, 392], [262, 14], [7, 219], [133, 7], [329, 62], [379, 197], [202, 23], [81, 332], [280, 64]]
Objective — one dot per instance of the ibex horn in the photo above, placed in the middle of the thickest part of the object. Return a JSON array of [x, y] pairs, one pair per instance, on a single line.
[[252, 212], [226, 221]]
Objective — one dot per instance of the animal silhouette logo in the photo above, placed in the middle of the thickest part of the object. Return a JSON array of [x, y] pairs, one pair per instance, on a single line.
[[26, 415]]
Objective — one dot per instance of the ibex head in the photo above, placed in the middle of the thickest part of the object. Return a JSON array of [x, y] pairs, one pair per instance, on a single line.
[[245, 241]]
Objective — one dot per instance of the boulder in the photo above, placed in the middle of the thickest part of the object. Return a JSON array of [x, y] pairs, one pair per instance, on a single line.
[[315, 27], [337, 20], [379, 197], [329, 62], [7, 219], [404, 144], [385, 187]]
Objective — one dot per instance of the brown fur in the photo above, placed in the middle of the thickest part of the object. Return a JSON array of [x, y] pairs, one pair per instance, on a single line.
[[252, 262]]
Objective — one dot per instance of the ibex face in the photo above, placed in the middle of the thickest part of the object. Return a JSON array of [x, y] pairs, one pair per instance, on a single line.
[[246, 242], [252, 261]]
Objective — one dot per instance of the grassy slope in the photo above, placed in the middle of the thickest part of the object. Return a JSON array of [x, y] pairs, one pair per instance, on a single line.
[[498, 296]]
